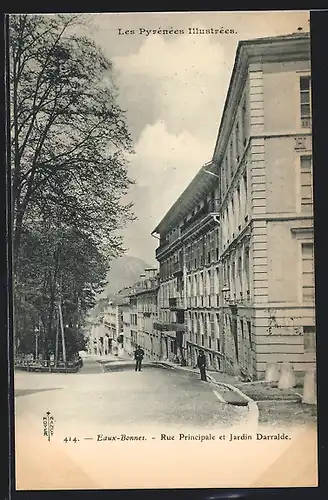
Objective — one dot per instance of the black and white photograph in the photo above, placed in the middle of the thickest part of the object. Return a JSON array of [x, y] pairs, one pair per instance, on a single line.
[[164, 330]]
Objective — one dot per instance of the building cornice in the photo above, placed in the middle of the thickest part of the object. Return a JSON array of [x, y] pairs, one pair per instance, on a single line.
[[281, 216], [256, 51]]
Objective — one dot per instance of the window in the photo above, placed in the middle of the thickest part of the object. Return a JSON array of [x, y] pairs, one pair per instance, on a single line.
[[305, 94], [306, 184], [244, 123], [309, 338], [237, 142], [234, 331], [245, 210], [240, 282], [242, 329], [249, 329], [223, 179], [239, 208], [233, 280], [232, 159], [245, 183], [246, 267], [307, 272]]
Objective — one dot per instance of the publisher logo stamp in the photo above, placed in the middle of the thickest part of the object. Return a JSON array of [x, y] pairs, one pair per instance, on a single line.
[[48, 425]]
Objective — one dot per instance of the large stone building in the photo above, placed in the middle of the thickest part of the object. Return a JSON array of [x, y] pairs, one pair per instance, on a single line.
[[105, 329], [236, 249], [125, 339], [143, 313]]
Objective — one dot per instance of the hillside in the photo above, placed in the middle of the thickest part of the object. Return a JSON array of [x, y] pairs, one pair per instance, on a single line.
[[124, 271]]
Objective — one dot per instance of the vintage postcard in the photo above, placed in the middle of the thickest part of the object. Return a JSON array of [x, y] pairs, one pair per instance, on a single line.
[[163, 251]]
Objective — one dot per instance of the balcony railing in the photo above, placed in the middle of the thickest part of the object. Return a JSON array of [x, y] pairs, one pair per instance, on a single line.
[[164, 242], [178, 268], [176, 303], [208, 208], [169, 327], [147, 284], [48, 365]]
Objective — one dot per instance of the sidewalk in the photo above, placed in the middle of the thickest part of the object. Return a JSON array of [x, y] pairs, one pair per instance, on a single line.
[[275, 406], [110, 362], [265, 391], [279, 406], [228, 392]]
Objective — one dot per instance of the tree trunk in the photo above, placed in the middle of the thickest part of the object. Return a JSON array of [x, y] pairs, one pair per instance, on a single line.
[[17, 238], [51, 310]]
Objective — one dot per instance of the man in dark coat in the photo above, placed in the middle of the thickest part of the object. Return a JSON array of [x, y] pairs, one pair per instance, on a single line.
[[138, 356], [201, 363]]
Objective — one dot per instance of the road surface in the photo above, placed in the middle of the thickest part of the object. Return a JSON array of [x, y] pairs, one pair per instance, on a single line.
[[121, 396]]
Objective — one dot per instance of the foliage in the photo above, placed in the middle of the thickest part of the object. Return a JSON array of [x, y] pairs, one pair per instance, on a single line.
[[69, 170]]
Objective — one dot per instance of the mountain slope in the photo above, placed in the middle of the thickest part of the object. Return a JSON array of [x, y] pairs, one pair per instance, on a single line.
[[124, 271]]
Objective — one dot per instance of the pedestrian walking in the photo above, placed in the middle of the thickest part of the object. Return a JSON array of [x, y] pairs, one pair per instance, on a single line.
[[138, 356], [201, 363]]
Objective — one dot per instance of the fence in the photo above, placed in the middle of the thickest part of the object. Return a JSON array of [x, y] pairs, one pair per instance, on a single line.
[[48, 366]]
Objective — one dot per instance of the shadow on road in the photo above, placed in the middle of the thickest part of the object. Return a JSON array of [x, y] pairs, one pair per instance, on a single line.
[[27, 392], [126, 366]]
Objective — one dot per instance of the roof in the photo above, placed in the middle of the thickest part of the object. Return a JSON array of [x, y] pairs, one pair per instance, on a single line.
[[202, 183], [193, 194]]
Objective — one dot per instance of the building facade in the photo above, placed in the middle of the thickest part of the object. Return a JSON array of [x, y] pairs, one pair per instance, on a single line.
[[141, 314], [125, 326], [105, 330], [188, 258], [236, 250]]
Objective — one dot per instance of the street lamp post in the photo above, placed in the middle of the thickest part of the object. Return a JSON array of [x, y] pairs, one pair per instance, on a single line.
[[57, 339], [36, 331], [62, 330]]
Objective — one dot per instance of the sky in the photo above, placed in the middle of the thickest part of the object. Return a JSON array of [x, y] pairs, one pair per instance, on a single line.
[[173, 88]]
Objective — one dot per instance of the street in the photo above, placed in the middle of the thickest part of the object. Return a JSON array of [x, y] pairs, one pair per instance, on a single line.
[[155, 396]]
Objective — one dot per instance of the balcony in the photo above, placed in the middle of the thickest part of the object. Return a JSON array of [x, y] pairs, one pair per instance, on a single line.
[[178, 268], [147, 285], [165, 242], [208, 208], [169, 327], [176, 304]]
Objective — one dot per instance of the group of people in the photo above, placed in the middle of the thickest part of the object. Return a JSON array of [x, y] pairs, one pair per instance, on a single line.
[[201, 362]]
